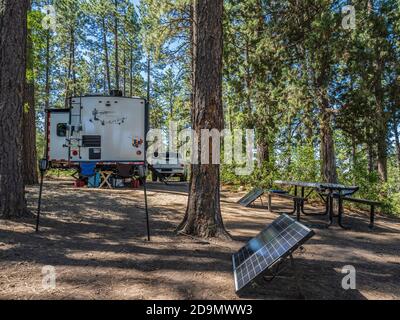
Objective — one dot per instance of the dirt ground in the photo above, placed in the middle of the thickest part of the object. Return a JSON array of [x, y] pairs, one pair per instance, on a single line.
[[96, 240]]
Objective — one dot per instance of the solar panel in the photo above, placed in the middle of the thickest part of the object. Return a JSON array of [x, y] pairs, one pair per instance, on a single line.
[[252, 196], [276, 242]]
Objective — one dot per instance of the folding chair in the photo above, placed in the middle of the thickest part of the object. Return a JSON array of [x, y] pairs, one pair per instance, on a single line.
[[88, 171]]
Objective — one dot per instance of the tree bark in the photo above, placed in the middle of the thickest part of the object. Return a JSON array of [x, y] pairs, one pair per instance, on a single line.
[[116, 46], [263, 149], [29, 120], [106, 57], [70, 68], [13, 32], [124, 72], [47, 81], [371, 158], [131, 72], [354, 160], [382, 125], [30, 172], [328, 154], [263, 129], [149, 78], [203, 215], [397, 138], [73, 61], [382, 159]]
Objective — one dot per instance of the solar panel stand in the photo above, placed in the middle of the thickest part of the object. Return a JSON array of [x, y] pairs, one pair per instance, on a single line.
[[279, 271], [262, 202]]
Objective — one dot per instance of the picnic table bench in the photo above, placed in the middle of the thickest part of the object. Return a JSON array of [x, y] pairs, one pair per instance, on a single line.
[[370, 203], [298, 202]]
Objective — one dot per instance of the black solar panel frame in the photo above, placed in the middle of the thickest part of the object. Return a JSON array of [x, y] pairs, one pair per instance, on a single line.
[[288, 253]]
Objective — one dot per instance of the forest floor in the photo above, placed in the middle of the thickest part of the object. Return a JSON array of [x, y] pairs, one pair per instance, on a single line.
[[96, 240]]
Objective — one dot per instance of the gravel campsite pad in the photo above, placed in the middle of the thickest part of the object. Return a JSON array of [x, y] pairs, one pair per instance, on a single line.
[[96, 242]]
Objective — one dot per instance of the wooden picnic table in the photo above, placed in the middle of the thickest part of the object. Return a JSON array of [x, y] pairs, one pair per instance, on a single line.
[[329, 190]]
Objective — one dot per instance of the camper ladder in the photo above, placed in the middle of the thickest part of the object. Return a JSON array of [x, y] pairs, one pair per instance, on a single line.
[[75, 123], [76, 118]]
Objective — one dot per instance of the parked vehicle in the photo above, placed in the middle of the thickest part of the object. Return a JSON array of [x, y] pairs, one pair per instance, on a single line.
[[169, 166]]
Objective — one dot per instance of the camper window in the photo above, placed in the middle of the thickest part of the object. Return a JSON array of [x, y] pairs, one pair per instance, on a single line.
[[62, 130]]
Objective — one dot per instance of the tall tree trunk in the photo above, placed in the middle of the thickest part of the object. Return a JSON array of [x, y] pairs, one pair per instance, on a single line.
[[203, 215], [13, 33], [263, 129], [397, 138], [29, 121], [29, 136], [382, 158], [371, 158], [191, 51], [116, 46], [70, 67], [73, 62], [262, 151], [290, 142], [354, 161], [96, 80], [104, 82], [148, 78], [131, 72], [328, 154], [249, 121], [308, 116], [382, 125], [328, 157], [106, 56], [124, 80], [47, 80]]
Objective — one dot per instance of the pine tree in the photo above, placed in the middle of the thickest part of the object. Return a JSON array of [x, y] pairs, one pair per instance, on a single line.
[[13, 40], [203, 216]]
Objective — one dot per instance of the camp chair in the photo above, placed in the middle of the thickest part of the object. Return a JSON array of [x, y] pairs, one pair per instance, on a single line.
[[88, 170]]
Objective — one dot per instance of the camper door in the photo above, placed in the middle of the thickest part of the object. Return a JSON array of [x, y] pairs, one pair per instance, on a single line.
[[57, 122]]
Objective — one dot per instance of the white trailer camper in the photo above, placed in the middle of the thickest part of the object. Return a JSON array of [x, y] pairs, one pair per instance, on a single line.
[[102, 129]]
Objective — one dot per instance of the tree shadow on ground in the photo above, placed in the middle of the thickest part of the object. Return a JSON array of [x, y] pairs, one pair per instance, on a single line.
[[302, 284]]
